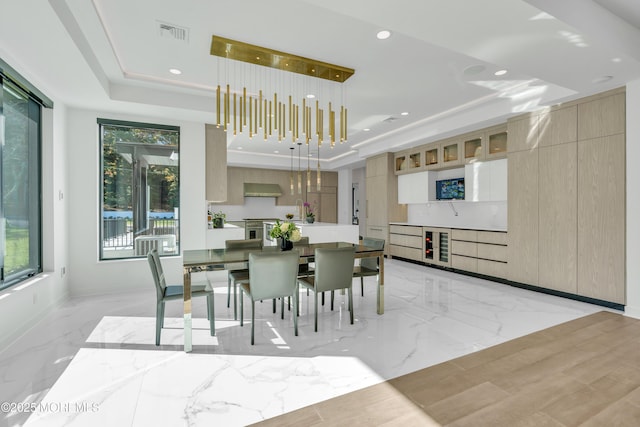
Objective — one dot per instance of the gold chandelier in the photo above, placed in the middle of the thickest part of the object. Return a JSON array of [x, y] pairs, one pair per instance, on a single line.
[[260, 107]]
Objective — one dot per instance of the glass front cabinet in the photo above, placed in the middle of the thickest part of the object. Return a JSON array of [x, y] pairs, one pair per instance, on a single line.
[[401, 162], [496, 140], [431, 157], [436, 246], [451, 153], [473, 148]]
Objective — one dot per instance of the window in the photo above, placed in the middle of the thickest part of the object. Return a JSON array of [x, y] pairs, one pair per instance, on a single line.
[[140, 189], [20, 188]]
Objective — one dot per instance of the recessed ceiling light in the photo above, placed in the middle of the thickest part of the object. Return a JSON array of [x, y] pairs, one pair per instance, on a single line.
[[602, 79], [384, 34], [175, 71], [404, 113], [276, 151], [500, 73], [239, 148], [366, 129], [311, 96], [473, 70], [616, 59]]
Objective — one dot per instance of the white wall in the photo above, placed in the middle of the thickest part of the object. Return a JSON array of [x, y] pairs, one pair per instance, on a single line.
[[633, 200], [359, 179], [24, 305], [345, 181], [88, 275]]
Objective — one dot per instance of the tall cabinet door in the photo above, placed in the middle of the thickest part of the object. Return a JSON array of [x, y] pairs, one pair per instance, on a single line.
[[558, 200], [522, 217], [601, 218]]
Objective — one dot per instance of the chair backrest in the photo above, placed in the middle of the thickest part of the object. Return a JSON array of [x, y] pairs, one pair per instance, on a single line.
[[334, 268], [274, 274], [157, 272], [243, 244], [371, 262]]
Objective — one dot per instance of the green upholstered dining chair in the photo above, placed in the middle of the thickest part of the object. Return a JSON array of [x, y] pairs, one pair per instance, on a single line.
[[240, 272], [271, 275], [333, 271], [368, 266], [166, 292]]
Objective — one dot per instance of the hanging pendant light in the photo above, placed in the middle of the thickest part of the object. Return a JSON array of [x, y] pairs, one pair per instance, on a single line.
[[299, 172], [291, 172], [308, 171], [318, 179]]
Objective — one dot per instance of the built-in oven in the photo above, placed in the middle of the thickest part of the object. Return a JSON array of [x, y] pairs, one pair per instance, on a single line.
[[253, 229]]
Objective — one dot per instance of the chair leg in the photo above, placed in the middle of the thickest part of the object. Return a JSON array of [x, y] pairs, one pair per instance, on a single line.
[[159, 320], [211, 313], [323, 298], [274, 306], [241, 308], [228, 292], [315, 297], [351, 303], [362, 285], [282, 308], [295, 310], [332, 298], [253, 318], [235, 301]]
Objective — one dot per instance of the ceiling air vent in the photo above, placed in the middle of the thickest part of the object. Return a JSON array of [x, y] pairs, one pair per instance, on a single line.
[[173, 32]]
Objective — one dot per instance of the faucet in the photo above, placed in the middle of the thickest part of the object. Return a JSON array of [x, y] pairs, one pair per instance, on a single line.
[[300, 208]]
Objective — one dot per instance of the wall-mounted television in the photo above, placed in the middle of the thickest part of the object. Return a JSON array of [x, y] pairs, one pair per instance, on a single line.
[[450, 189]]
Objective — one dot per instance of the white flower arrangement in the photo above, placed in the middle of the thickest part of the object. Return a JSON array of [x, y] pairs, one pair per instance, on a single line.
[[285, 230]]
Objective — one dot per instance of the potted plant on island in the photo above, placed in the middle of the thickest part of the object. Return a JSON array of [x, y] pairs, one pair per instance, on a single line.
[[309, 214], [287, 232], [219, 219]]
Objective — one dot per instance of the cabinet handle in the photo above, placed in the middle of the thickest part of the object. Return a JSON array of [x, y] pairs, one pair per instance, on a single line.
[[376, 229]]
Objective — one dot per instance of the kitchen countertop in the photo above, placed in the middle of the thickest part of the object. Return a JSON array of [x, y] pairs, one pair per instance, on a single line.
[[449, 226]]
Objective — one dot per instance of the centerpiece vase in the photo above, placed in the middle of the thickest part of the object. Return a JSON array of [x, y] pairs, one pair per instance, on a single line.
[[285, 244]]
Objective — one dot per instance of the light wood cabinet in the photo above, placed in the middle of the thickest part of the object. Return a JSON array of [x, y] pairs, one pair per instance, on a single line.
[[523, 133], [473, 147], [215, 164], [558, 200], [522, 216], [432, 156], [496, 142], [382, 197], [601, 218], [451, 153], [602, 116], [558, 126], [405, 241], [478, 251]]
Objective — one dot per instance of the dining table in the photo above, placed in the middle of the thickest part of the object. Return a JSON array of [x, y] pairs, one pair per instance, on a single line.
[[202, 260]]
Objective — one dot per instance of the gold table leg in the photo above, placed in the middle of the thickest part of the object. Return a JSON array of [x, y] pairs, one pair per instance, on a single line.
[[187, 310], [381, 284]]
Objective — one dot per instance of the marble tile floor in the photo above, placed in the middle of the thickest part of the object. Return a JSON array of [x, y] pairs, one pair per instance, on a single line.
[[92, 361]]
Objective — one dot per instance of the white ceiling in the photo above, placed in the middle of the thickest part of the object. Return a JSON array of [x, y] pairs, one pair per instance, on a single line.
[[109, 55]]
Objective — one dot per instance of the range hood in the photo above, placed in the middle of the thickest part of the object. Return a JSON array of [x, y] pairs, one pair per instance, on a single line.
[[258, 189]]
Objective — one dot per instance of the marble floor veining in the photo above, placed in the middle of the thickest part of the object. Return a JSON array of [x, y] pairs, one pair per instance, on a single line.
[[92, 361]]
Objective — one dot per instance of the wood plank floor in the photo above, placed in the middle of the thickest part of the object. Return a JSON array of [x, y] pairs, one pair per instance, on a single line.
[[581, 373]]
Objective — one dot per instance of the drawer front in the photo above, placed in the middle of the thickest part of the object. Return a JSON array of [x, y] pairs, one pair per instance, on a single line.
[[405, 229], [404, 252], [492, 268], [492, 252], [464, 263], [403, 240], [469, 235], [495, 237], [464, 248]]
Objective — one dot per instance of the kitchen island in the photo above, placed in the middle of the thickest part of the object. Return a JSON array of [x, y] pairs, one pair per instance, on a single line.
[[319, 232], [217, 236]]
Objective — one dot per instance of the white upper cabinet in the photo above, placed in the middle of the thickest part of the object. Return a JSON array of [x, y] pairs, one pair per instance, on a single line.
[[413, 188], [486, 181]]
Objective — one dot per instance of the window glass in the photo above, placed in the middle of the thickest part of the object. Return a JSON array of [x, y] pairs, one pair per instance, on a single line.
[[140, 189], [20, 226]]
